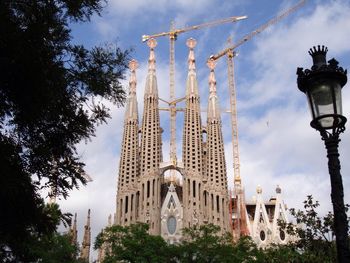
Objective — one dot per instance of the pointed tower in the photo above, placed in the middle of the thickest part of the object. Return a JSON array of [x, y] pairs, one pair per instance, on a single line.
[[280, 214], [73, 231], [150, 152], [192, 148], [129, 158], [261, 227], [216, 190], [85, 246]]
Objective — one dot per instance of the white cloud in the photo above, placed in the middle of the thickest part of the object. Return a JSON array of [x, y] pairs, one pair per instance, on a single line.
[[277, 144], [144, 7]]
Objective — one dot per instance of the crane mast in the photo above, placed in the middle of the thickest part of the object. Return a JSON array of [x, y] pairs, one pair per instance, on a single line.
[[239, 224], [172, 101]]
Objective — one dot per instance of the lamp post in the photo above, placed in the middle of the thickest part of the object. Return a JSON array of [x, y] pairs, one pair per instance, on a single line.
[[322, 85]]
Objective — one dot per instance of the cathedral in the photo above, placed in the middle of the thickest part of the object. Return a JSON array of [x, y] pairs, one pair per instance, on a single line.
[[171, 195], [200, 195]]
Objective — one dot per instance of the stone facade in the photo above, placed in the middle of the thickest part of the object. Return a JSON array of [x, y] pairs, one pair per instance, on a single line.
[[200, 194]]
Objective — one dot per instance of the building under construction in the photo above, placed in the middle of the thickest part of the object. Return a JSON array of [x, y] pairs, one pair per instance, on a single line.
[[168, 193]]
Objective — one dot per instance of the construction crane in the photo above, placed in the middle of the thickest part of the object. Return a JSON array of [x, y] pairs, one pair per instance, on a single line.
[[173, 33], [240, 224], [250, 35]]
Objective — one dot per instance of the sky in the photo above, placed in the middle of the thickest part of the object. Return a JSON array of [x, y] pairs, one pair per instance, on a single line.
[[276, 143]]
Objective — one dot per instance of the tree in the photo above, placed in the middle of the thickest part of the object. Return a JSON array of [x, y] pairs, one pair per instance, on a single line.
[[55, 248], [47, 246], [52, 96], [314, 235], [204, 243], [132, 244]]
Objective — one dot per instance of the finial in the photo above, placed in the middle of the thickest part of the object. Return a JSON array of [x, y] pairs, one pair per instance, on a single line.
[[259, 189], [211, 63], [152, 43], [318, 50], [133, 65], [278, 189], [191, 43], [318, 55]]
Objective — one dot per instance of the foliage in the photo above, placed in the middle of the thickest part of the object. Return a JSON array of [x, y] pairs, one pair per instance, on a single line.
[[204, 243], [56, 248], [132, 244], [200, 244], [52, 96], [314, 235], [313, 241], [46, 246]]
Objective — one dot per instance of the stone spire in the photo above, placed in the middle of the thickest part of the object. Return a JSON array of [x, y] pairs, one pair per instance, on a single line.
[[215, 159], [129, 158], [192, 148], [151, 81], [192, 133], [216, 171], [85, 246], [150, 152], [73, 231]]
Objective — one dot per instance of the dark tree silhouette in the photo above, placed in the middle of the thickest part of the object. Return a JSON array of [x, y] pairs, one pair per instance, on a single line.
[[52, 96]]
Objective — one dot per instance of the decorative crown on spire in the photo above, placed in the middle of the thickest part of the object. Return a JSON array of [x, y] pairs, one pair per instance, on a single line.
[[133, 65], [191, 43], [152, 43]]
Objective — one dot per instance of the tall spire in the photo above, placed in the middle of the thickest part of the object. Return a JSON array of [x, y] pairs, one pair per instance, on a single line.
[[85, 248], [192, 134], [129, 158], [215, 158], [150, 152], [74, 231], [216, 171], [192, 147]]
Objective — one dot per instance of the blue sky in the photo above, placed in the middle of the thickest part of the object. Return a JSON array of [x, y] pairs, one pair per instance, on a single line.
[[277, 145]]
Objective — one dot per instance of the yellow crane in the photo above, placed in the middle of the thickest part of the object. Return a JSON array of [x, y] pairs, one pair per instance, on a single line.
[[173, 33], [240, 224]]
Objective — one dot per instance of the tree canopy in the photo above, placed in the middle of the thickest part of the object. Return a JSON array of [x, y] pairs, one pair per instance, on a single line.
[[313, 242], [52, 96]]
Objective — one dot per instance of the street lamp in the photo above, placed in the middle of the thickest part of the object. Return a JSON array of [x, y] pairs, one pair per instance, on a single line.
[[322, 85]]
